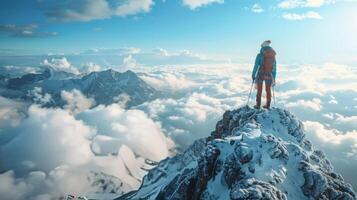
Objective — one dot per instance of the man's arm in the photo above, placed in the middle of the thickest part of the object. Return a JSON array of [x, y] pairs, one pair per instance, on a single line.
[[256, 65]]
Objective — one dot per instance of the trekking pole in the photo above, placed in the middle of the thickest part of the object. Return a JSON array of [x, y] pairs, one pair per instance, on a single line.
[[250, 92], [274, 94], [274, 89]]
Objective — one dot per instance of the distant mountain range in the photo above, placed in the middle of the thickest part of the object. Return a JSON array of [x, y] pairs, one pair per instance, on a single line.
[[105, 87]]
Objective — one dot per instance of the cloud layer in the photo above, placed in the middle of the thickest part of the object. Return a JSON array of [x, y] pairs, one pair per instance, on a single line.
[[115, 141], [46, 140], [341, 147], [54, 152]]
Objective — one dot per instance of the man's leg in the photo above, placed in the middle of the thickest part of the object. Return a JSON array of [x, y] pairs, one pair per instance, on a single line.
[[268, 92], [259, 95]]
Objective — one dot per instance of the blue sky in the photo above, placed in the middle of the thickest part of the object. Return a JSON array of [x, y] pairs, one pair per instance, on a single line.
[[303, 31]]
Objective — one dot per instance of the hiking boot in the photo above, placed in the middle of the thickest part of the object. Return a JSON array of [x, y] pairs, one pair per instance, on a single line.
[[257, 107], [266, 107]]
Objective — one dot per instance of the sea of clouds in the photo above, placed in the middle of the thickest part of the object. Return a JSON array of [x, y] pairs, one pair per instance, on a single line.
[[49, 152]]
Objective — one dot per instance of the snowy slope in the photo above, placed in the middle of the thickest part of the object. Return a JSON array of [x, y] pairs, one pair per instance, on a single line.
[[106, 86], [252, 154]]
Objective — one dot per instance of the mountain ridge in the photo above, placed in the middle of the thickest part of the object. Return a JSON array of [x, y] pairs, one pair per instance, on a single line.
[[252, 154], [105, 87]]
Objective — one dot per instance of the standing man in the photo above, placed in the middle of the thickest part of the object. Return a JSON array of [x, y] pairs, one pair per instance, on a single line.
[[264, 71]]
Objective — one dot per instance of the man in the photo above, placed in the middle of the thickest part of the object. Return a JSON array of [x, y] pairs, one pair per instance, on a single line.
[[264, 71]]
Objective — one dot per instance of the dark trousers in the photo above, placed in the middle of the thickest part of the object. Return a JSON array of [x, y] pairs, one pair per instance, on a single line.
[[259, 93]]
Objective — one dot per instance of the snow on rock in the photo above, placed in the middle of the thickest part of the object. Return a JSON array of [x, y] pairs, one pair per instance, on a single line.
[[252, 154]]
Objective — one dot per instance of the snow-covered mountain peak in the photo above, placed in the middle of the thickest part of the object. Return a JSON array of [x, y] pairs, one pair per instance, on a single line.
[[252, 154], [111, 75], [107, 85], [252, 122]]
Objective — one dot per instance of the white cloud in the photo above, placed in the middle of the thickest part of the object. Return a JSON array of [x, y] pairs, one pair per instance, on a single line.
[[129, 62], [330, 136], [46, 139], [168, 81], [190, 54], [131, 127], [319, 79], [11, 113], [39, 97], [257, 8], [17, 71], [82, 10], [133, 7], [307, 15], [76, 102], [87, 10], [108, 51], [333, 100], [348, 122], [122, 99], [289, 4], [188, 118], [155, 57], [339, 147], [183, 53], [314, 3], [25, 31], [314, 104], [160, 51], [351, 120], [194, 4], [52, 153], [56, 184], [10, 188], [91, 67], [61, 64]]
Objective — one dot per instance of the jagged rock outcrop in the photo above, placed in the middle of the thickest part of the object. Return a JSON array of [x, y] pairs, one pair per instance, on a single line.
[[104, 183], [252, 154]]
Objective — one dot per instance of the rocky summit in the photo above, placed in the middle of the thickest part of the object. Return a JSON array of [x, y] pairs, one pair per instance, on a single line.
[[252, 154]]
